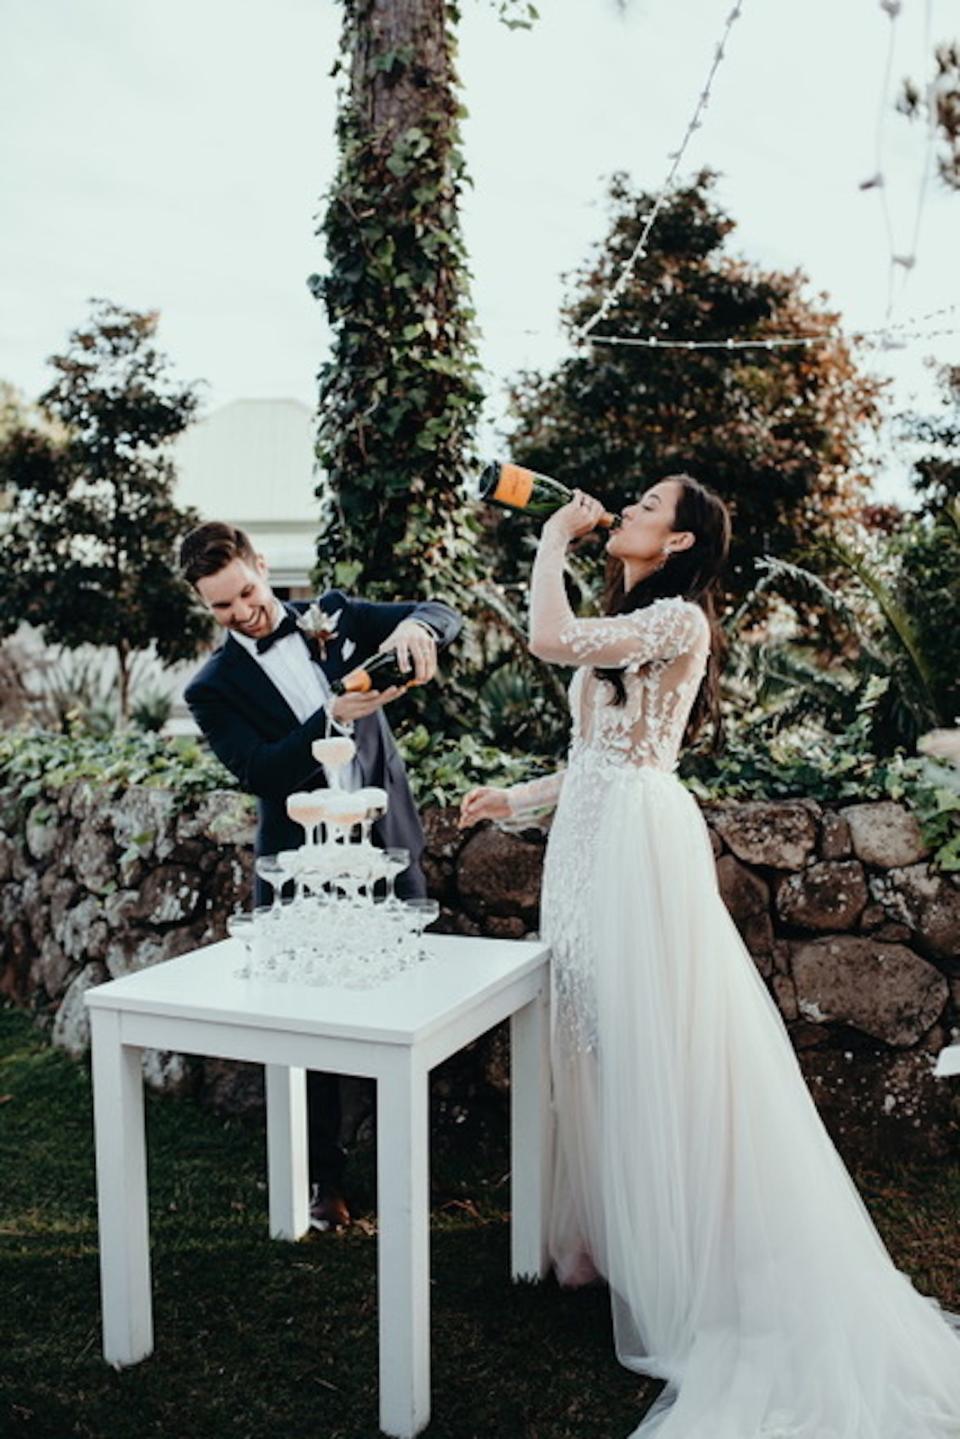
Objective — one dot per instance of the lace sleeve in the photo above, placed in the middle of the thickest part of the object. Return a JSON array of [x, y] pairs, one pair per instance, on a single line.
[[662, 630], [659, 631], [536, 797]]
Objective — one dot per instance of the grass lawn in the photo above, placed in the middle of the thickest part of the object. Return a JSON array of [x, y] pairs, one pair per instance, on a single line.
[[264, 1340]]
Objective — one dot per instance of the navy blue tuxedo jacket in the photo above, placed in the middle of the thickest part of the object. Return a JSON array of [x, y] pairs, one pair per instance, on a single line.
[[254, 732]]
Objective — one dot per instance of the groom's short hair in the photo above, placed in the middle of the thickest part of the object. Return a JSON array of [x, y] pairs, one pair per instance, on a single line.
[[211, 547]]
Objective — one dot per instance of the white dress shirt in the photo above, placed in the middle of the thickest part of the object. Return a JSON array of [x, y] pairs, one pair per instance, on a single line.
[[302, 683]]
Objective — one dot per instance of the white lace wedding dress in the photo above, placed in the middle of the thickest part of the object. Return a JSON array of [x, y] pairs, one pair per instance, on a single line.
[[692, 1169]]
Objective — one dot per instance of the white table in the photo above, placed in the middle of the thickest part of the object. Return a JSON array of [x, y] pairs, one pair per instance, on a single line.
[[396, 1034]]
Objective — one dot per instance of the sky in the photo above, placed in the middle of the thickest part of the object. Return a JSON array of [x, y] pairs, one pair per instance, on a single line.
[[174, 156]]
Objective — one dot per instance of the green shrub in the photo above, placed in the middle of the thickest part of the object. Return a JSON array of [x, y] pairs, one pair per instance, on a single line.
[[833, 769], [826, 768], [442, 770], [38, 762]]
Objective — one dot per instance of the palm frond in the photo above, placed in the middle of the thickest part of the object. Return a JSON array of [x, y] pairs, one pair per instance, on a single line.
[[896, 617], [773, 569]]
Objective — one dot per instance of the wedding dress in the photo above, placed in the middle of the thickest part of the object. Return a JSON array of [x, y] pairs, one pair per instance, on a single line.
[[692, 1169]]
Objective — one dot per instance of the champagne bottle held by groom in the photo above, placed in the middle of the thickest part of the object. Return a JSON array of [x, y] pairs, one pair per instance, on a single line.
[[278, 683]]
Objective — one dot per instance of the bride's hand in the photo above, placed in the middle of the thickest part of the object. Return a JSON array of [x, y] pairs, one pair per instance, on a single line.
[[578, 517], [486, 802]]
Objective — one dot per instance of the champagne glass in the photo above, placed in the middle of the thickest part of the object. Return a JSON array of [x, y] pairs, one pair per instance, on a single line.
[[290, 860], [287, 862], [421, 912], [272, 872], [344, 810], [327, 802], [240, 927], [333, 753], [397, 860], [359, 856], [268, 918], [304, 810], [267, 928], [318, 811], [374, 801]]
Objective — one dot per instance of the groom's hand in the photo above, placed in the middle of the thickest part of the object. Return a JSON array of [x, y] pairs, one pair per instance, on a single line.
[[416, 648], [347, 708]]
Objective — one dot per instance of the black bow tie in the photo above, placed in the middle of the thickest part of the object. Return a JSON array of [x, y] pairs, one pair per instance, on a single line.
[[287, 626]]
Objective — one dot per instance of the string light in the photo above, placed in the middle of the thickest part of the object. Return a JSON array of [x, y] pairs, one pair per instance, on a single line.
[[882, 340], [892, 9], [890, 336], [901, 262], [885, 337], [639, 250], [931, 131]]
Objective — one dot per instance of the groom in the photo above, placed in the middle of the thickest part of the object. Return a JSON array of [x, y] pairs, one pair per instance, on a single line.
[[261, 700]]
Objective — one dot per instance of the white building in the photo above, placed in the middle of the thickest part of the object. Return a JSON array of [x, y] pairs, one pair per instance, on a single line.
[[252, 464]]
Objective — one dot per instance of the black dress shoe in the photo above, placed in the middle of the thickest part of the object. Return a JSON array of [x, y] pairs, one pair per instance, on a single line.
[[328, 1209]]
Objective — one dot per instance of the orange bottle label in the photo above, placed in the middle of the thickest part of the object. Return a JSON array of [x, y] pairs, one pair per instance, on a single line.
[[358, 682], [514, 487]]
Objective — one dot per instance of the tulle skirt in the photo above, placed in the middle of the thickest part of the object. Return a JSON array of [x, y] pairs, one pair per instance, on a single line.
[[692, 1169]]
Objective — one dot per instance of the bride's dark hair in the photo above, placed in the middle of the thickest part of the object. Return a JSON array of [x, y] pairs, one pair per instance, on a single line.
[[692, 574]]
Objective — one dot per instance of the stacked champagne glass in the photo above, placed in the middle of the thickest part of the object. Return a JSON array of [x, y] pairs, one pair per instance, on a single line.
[[344, 925]]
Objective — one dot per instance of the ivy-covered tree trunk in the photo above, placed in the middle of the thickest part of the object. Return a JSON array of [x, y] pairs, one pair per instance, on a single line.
[[399, 397]]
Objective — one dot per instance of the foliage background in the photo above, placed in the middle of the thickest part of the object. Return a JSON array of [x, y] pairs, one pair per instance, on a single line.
[[779, 433]]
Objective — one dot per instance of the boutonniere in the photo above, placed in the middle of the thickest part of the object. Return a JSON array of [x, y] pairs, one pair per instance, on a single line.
[[319, 627]]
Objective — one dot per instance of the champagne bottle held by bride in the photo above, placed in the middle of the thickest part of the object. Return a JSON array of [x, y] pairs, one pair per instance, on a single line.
[[512, 487]]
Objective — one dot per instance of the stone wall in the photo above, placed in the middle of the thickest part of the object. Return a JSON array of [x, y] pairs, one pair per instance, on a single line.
[[93, 887], [856, 935]]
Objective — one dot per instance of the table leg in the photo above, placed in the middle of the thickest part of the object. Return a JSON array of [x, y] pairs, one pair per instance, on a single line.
[[121, 1193], [530, 1138], [287, 1178], [403, 1256]]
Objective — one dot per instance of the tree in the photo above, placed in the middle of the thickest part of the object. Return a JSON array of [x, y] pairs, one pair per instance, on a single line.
[[939, 106], [399, 396], [777, 432], [890, 598], [88, 536], [936, 475], [930, 545], [17, 413], [14, 409], [891, 589]]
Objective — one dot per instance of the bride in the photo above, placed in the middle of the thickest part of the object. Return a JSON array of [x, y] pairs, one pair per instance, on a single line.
[[692, 1170]]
